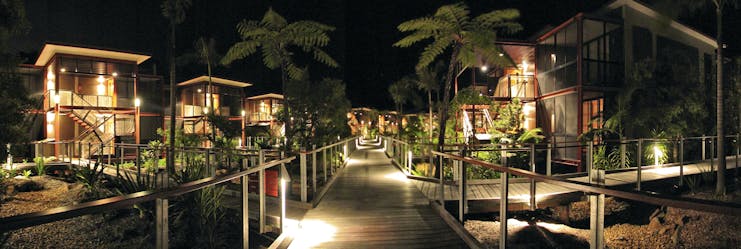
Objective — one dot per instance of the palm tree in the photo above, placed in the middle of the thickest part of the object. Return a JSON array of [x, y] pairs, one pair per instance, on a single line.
[[204, 52], [174, 11], [469, 39], [401, 92], [428, 79], [274, 35]]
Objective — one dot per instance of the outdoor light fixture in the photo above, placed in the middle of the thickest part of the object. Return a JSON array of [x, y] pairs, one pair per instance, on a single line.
[[56, 98], [137, 102], [63, 70], [205, 110], [501, 54], [199, 90], [114, 74], [553, 58], [50, 117], [524, 67], [484, 68], [657, 153], [100, 88], [50, 85], [243, 113]]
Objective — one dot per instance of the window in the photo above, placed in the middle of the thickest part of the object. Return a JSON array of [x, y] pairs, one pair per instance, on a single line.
[[592, 114]]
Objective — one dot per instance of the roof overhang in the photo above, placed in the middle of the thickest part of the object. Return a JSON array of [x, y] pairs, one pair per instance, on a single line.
[[215, 80], [267, 96], [51, 49], [643, 9]]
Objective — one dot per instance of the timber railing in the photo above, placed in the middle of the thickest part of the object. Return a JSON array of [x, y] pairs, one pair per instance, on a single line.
[[459, 158]]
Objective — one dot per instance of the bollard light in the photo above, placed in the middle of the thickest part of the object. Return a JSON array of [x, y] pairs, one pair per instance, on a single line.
[[657, 153]]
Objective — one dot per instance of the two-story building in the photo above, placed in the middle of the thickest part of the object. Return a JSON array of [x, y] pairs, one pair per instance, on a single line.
[[93, 95], [567, 75]]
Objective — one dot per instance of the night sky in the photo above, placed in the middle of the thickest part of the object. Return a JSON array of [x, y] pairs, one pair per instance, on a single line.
[[361, 43]]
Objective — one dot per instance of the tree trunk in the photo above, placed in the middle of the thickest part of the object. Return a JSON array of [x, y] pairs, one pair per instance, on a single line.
[[720, 187], [443, 109], [171, 135], [286, 105]]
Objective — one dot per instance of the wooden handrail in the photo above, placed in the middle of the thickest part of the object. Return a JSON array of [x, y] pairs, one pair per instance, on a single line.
[[119, 202], [654, 198]]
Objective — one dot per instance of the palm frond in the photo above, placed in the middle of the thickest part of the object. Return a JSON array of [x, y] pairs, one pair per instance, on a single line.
[[174, 10], [497, 16], [271, 55], [273, 20], [295, 72], [432, 51], [249, 29], [323, 57], [413, 38], [424, 24], [240, 50], [456, 13]]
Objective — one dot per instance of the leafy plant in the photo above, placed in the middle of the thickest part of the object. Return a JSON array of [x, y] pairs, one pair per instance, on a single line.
[[27, 173], [40, 165], [90, 177]]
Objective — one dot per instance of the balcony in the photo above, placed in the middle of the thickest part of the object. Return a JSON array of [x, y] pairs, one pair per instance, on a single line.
[[69, 98], [258, 117], [515, 86]]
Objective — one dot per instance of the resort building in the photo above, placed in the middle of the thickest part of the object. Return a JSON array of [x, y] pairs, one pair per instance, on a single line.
[[261, 111], [566, 76], [92, 95]]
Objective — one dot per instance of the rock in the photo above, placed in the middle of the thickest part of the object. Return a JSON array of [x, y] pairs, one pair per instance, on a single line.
[[676, 240], [25, 185], [684, 220]]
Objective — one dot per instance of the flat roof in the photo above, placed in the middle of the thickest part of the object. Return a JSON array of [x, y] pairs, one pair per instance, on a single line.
[[269, 95], [50, 49], [215, 80]]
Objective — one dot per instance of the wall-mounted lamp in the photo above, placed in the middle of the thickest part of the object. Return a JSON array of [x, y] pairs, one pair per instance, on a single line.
[[137, 102]]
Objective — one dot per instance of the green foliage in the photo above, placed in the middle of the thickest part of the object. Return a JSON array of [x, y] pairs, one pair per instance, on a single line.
[[90, 177], [317, 118], [40, 165], [508, 120], [174, 10], [27, 173], [468, 96]]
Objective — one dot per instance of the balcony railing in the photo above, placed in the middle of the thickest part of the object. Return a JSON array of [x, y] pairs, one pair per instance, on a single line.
[[515, 86], [259, 117], [69, 98]]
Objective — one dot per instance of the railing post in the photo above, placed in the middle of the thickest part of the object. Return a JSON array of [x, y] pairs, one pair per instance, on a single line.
[[302, 161], [712, 154], [261, 192], [703, 147], [738, 149], [161, 224], [533, 204], [442, 182], [410, 156], [324, 162], [313, 170], [681, 161], [208, 163], [138, 163], [548, 160], [462, 187], [503, 203], [639, 159], [622, 151], [245, 209], [282, 193]]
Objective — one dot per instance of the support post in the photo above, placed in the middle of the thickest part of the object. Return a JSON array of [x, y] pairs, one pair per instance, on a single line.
[[324, 163], [313, 170], [261, 193], [503, 203], [161, 224], [282, 174], [462, 187], [703, 148], [246, 211], [639, 159], [533, 204], [442, 182], [548, 160], [302, 161], [681, 161], [596, 221], [622, 151]]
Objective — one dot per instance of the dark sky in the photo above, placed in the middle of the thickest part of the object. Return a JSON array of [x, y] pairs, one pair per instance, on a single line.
[[361, 43]]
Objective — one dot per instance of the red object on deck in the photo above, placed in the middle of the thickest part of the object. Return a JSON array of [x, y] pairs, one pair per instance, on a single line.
[[271, 183]]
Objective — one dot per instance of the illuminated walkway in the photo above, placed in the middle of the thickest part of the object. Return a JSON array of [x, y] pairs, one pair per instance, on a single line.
[[372, 205]]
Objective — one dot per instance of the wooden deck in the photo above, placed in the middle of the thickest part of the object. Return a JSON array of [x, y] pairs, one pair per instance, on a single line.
[[519, 192], [373, 205]]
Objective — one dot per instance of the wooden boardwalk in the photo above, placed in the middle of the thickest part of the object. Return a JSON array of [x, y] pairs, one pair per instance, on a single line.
[[372, 205], [519, 191]]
